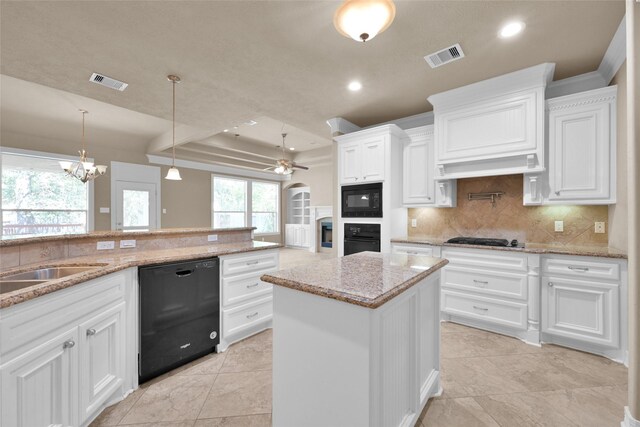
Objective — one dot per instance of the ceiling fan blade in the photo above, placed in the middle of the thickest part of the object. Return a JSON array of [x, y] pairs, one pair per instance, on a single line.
[[295, 165], [270, 168]]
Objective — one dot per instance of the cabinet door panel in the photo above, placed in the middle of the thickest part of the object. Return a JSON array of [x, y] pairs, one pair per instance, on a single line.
[[373, 159], [582, 310], [39, 388], [418, 164], [101, 357], [350, 162], [580, 153]]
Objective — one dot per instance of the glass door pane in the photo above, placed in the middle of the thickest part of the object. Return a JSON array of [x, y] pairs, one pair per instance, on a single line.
[[136, 206]]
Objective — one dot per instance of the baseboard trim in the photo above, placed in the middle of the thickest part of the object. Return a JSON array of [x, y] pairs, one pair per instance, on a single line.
[[629, 421]]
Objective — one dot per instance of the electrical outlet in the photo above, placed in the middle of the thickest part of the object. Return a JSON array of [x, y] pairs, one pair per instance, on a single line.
[[164, 210], [126, 244], [599, 227], [414, 222], [102, 246], [212, 237], [105, 210], [559, 226]]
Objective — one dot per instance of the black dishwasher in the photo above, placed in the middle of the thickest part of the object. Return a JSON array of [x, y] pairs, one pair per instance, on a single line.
[[179, 314]]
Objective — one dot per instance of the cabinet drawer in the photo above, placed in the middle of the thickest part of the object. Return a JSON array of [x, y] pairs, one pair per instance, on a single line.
[[582, 268], [510, 285], [506, 313], [486, 258], [240, 318], [412, 250], [241, 288], [247, 263]]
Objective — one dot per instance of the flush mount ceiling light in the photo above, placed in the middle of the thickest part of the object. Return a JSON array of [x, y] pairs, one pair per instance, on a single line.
[[354, 86], [173, 174], [511, 29], [83, 170], [362, 20]]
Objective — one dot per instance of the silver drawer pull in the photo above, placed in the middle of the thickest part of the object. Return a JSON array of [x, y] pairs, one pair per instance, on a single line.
[[480, 282], [252, 262], [91, 332], [250, 316], [412, 253], [252, 286], [480, 308], [68, 344], [578, 268]]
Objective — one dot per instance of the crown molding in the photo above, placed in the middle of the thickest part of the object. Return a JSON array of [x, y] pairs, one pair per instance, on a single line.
[[342, 126]]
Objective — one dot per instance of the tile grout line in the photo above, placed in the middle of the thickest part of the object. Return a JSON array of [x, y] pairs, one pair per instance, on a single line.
[[204, 402]]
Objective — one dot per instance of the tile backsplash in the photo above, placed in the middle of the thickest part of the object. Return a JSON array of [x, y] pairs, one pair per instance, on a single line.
[[508, 219]]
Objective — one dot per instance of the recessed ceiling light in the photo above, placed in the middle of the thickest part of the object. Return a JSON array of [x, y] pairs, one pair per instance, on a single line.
[[291, 148], [355, 86], [226, 130], [511, 29]]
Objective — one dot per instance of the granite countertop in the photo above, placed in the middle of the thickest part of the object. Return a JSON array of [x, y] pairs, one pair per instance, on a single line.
[[532, 248], [117, 234], [113, 263], [367, 279]]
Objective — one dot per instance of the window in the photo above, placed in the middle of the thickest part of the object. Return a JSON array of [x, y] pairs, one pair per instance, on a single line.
[[246, 203], [38, 199]]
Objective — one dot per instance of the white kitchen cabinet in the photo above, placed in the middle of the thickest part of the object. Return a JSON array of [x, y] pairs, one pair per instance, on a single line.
[[415, 249], [418, 162], [582, 147], [493, 127], [297, 235], [362, 160], [102, 357], [247, 305], [40, 387], [584, 304]]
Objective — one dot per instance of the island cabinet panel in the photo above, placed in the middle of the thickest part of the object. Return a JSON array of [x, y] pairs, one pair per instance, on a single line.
[[352, 366]]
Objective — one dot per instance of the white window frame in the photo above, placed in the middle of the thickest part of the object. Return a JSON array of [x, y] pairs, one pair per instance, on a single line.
[[55, 156], [249, 201]]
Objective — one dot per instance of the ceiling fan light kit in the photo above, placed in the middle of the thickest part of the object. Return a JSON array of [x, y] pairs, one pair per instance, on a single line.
[[83, 170], [362, 20], [173, 174]]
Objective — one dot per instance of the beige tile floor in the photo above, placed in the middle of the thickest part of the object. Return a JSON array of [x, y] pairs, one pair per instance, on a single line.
[[488, 380]]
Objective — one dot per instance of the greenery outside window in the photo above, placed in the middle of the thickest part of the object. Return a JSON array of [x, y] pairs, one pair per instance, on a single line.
[[39, 199], [241, 202]]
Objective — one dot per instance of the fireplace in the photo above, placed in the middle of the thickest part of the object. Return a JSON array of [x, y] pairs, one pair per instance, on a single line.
[[326, 234]]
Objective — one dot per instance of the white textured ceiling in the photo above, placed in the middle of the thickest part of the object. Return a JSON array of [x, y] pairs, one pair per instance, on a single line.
[[242, 60]]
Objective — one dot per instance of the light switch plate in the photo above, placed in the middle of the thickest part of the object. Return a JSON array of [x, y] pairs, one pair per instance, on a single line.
[[105, 210], [414, 222], [102, 246], [212, 237], [126, 244], [164, 210], [599, 227], [559, 226]]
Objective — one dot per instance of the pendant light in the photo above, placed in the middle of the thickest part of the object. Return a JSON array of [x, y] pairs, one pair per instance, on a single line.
[[173, 174], [362, 20], [83, 170]]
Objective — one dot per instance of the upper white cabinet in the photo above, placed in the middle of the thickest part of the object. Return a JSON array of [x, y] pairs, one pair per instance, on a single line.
[[582, 148], [418, 163], [362, 155], [493, 127]]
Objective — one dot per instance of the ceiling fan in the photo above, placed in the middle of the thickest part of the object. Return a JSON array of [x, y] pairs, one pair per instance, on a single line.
[[284, 166]]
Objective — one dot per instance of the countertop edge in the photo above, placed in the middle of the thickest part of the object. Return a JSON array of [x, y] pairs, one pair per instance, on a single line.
[[354, 299], [27, 294]]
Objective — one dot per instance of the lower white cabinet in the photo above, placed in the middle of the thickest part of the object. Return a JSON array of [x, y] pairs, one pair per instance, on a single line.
[[40, 388], [297, 235], [247, 301], [63, 354], [415, 249]]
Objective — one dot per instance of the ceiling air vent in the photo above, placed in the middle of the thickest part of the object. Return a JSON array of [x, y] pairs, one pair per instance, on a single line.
[[108, 82], [445, 56]]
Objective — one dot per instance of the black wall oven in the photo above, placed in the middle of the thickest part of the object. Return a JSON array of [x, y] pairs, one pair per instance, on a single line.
[[362, 201], [361, 237]]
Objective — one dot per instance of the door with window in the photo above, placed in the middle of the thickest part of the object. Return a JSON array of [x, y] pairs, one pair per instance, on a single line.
[[136, 206]]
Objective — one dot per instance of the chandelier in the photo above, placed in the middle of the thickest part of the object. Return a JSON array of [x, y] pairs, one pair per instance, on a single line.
[[362, 20], [83, 170]]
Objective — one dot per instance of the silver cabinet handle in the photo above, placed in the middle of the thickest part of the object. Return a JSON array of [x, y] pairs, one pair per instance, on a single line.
[[252, 262], [480, 282], [356, 178], [578, 268], [480, 308], [557, 193], [252, 286], [249, 316], [68, 344], [91, 332], [412, 253]]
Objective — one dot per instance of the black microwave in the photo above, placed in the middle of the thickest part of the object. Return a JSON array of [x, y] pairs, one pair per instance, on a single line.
[[364, 201]]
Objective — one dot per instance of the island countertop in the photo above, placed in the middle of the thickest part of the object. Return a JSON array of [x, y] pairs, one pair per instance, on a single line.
[[367, 279]]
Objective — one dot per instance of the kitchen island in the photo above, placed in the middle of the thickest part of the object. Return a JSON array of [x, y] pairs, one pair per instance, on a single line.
[[356, 340]]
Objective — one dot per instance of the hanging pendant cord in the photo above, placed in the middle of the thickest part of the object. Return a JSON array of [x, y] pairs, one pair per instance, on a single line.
[[173, 163]]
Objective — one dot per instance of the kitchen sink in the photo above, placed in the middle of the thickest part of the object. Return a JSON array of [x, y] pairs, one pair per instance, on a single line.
[[25, 279]]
